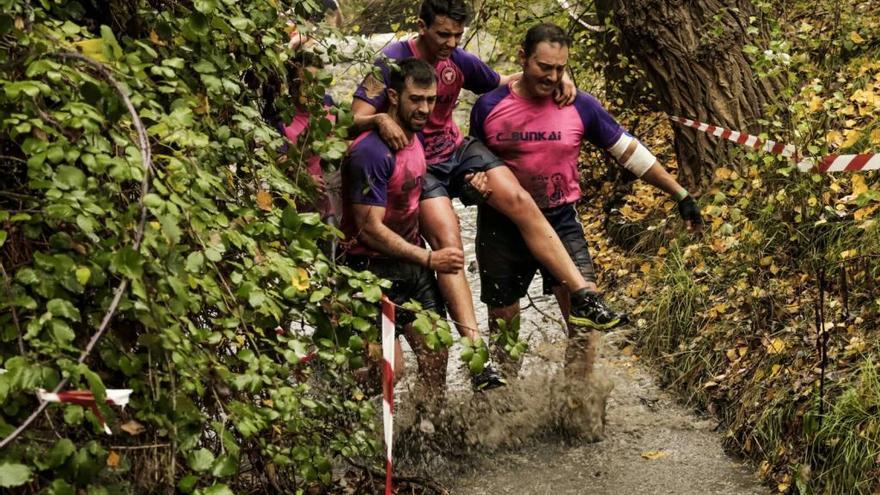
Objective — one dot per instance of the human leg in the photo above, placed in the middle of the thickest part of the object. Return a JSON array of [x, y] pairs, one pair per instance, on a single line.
[[580, 349], [440, 227], [508, 366], [432, 367]]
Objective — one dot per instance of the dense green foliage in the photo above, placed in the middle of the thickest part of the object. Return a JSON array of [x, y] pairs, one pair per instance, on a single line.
[[226, 286]]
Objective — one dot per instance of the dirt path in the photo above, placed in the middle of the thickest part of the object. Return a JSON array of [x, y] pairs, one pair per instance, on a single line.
[[640, 419]]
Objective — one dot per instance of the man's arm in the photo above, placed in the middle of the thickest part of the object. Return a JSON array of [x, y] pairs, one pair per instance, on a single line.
[[375, 234], [637, 159], [366, 118]]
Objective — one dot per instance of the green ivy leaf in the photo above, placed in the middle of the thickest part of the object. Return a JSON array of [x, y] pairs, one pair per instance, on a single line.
[[226, 465], [63, 308], [127, 262], [67, 177], [201, 460], [13, 474]]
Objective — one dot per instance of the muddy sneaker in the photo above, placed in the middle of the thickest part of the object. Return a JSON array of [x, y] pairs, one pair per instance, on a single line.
[[589, 311], [487, 379]]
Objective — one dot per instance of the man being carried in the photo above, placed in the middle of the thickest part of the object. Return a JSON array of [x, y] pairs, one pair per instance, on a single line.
[[381, 190], [451, 157], [540, 142]]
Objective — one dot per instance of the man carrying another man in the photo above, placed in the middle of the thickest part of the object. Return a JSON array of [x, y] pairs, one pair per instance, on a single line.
[[540, 142], [458, 166]]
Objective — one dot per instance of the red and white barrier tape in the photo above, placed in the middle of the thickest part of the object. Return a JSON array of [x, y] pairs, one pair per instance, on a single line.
[[117, 397], [388, 385], [830, 163]]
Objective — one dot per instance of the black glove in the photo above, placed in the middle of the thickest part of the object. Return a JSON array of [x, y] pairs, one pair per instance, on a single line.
[[688, 210]]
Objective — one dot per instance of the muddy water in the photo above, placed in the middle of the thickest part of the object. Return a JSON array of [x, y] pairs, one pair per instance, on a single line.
[[540, 436]]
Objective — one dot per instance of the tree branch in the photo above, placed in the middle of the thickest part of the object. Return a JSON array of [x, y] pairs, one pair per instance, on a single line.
[[144, 146]]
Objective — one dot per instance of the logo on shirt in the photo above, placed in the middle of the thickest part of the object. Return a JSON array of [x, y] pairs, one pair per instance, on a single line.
[[529, 136], [448, 75]]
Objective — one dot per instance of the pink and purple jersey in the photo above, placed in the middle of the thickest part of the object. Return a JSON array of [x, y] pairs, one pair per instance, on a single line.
[[540, 142], [441, 135], [293, 131], [372, 174]]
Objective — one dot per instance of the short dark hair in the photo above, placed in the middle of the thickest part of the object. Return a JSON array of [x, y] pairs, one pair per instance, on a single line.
[[418, 71], [548, 32], [456, 10]]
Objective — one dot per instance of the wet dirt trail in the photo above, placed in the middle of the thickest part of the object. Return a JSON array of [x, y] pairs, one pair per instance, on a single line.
[[652, 444]]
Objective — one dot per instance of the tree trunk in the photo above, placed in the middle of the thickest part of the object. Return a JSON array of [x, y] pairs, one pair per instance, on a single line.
[[691, 51]]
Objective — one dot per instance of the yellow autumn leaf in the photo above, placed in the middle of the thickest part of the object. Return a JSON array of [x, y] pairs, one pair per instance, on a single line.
[[857, 39], [849, 253], [653, 455], [154, 38], [264, 200], [723, 173], [775, 346], [816, 104], [852, 137], [858, 185], [834, 138], [112, 459], [300, 279], [775, 369], [93, 48], [875, 136]]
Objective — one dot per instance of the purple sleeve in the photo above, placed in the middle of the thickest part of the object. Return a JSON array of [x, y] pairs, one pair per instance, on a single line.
[[372, 88], [600, 128], [369, 165], [481, 110], [478, 77]]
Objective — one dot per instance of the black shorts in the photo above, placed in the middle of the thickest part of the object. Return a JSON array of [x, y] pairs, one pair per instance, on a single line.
[[507, 267], [446, 178], [409, 282]]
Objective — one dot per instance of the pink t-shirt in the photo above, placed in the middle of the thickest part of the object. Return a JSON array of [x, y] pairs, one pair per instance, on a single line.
[[441, 135], [293, 131], [541, 142], [372, 174]]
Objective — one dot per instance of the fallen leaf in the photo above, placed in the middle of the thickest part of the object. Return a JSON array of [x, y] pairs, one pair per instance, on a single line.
[[112, 459], [132, 428], [264, 200], [653, 455], [776, 346], [816, 104], [857, 39]]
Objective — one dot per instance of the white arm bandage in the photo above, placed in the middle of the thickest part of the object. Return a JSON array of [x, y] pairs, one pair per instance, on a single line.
[[639, 161]]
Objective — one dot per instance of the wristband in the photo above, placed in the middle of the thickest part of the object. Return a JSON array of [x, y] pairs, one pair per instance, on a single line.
[[429, 260], [680, 195]]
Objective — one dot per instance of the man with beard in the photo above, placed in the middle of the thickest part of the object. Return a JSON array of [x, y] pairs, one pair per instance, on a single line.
[[540, 142], [462, 167], [381, 189]]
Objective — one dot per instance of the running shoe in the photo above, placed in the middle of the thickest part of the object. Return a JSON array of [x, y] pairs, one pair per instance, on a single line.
[[487, 379], [589, 311]]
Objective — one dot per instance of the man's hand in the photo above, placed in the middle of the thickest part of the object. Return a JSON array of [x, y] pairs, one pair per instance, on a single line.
[[690, 213], [479, 189], [391, 133], [566, 93], [447, 260]]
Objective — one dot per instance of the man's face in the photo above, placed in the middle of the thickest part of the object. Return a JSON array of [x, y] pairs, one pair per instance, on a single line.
[[543, 69], [441, 37], [415, 104]]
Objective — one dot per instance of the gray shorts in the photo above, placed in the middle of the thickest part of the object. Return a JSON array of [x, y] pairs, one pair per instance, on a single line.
[[446, 178]]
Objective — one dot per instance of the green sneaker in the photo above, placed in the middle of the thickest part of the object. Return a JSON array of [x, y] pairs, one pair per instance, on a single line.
[[589, 311]]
